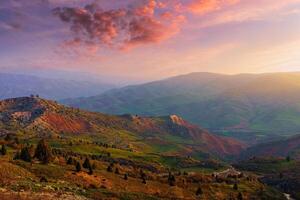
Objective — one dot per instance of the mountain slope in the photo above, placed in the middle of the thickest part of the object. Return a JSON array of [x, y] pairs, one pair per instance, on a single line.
[[262, 103], [14, 85], [281, 148], [168, 135]]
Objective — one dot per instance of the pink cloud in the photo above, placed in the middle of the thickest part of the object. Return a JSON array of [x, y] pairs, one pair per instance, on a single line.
[[121, 28], [207, 6]]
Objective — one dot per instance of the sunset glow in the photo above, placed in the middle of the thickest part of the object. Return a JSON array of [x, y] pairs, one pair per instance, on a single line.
[[141, 40]]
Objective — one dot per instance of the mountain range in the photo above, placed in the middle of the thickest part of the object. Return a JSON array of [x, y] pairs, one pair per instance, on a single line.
[[17, 85], [241, 105], [168, 135]]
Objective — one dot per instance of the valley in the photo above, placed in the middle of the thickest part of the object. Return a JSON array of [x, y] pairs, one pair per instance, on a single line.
[[131, 157]]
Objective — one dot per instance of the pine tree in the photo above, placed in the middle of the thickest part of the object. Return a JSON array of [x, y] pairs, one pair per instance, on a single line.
[[25, 155], [235, 186], [110, 168], [3, 150], [199, 191], [240, 196], [86, 164], [117, 171], [171, 179], [144, 180], [43, 152], [125, 177], [78, 167], [17, 156], [70, 161], [90, 170]]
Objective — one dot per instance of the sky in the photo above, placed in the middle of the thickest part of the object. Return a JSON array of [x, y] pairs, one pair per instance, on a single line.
[[143, 40]]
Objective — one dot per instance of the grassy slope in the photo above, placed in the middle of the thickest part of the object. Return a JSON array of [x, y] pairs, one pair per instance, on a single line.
[[266, 103]]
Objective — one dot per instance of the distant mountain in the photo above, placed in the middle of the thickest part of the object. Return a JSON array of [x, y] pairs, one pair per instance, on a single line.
[[278, 148], [168, 135], [246, 103], [15, 85]]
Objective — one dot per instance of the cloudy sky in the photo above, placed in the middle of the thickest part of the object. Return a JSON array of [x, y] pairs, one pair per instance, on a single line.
[[141, 40]]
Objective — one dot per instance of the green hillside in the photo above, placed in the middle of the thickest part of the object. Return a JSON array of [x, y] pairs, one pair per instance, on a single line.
[[260, 104]]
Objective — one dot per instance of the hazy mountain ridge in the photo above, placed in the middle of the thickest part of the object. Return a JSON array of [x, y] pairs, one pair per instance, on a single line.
[[17, 85], [267, 103]]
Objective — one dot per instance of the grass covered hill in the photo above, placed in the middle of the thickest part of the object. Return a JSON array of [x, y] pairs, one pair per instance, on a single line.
[[245, 103], [277, 148], [49, 151], [169, 135]]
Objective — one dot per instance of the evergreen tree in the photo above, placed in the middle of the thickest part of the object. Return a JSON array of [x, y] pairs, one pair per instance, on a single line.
[[78, 167], [43, 152], [235, 186], [86, 164], [70, 161], [110, 168], [3, 150], [117, 171], [240, 196], [144, 180], [288, 158], [25, 155], [171, 179], [90, 170], [125, 177], [199, 191], [17, 156]]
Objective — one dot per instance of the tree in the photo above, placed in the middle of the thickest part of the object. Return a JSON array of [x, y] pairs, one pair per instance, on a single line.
[[86, 164], [235, 186], [117, 171], [78, 167], [3, 150], [70, 161], [280, 175], [144, 180], [199, 191], [110, 168], [17, 156], [171, 179], [25, 155], [125, 177], [240, 196], [90, 170], [43, 152], [288, 158]]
